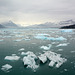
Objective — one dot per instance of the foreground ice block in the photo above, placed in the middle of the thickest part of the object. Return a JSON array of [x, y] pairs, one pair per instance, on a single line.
[[29, 61], [12, 58], [6, 67], [55, 58]]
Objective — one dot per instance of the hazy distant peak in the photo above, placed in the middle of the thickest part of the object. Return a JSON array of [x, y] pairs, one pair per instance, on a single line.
[[67, 22]]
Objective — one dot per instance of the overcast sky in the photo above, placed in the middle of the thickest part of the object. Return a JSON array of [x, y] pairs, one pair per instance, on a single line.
[[36, 11]]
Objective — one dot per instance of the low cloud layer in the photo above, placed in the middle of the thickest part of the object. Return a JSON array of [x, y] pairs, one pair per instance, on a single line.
[[36, 11]]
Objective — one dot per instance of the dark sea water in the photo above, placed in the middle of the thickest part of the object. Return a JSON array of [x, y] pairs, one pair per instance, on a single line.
[[27, 41]]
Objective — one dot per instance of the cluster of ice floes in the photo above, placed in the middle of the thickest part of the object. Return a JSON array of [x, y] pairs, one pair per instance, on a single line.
[[44, 37], [30, 60], [67, 30], [55, 59], [14, 57], [46, 47], [6, 67]]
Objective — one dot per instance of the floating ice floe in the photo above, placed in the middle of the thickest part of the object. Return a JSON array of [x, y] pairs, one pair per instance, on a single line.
[[55, 59], [42, 37], [46, 47], [14, 57], [22, 49], [64, 44], [67, 30], [72, 51], [18, 40], [29, 61], [6, 67], [60, 49]]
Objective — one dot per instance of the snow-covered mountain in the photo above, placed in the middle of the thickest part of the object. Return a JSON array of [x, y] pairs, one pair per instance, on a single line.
[[9, 24], [1, 26], [68, 22], [44, 25]]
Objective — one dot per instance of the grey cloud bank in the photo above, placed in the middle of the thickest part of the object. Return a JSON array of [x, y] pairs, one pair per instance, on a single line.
[[36, 11]]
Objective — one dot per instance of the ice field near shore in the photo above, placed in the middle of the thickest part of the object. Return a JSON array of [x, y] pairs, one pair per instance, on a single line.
[[34, 51]]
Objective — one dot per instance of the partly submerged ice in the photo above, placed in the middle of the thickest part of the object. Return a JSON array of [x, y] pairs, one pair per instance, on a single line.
[[64, 44], [46, 47], [55, 59], [12, 58], [22, 49], [6, 67], [43, 37], [29, 60]]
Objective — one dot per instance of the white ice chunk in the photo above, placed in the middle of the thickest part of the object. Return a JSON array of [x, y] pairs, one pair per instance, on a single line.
[[30, 62], [64, 44], [22, 49], [60, 49], [12, 58], [6, 67], [46, 47], [54, 57], [42, 58]]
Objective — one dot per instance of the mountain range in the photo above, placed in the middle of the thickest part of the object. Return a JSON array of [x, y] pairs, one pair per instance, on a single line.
[[8, 24], [61, 24]]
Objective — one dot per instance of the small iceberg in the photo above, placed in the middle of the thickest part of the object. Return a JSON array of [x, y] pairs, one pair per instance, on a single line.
[[55, 58], [6, 68], [14, 57], [29, 61], [67, 30], [64, 44], [46, 47], [22, 49]]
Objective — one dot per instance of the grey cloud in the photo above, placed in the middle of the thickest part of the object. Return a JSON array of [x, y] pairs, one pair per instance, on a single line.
[[46, 8]]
